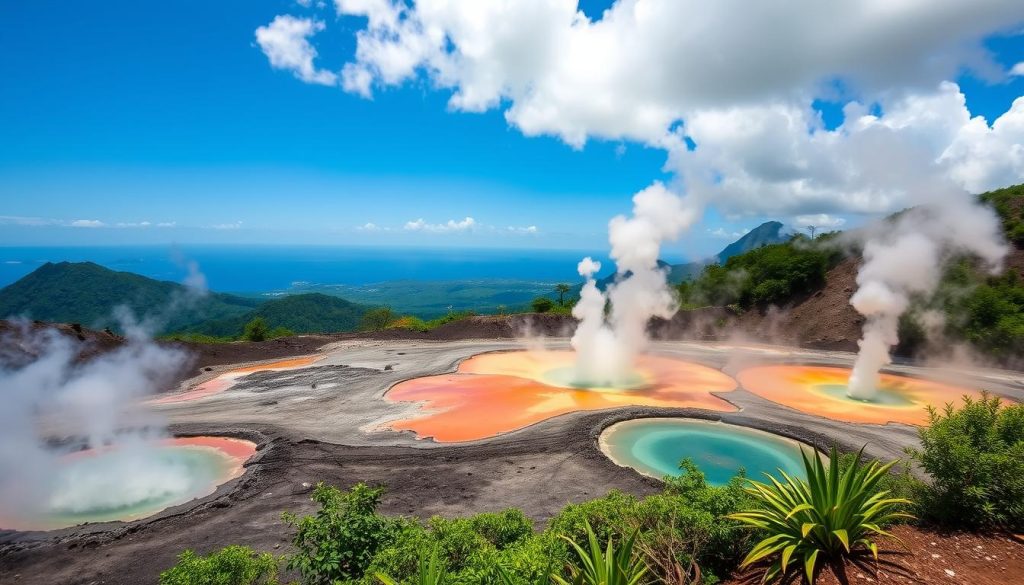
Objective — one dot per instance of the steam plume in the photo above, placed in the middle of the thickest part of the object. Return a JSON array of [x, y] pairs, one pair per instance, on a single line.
[[606, 347], [904, 258], [95, 403]]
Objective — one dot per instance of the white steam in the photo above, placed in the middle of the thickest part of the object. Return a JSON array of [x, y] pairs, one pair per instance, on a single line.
[[904, 258], [607, 346], [93, 404]]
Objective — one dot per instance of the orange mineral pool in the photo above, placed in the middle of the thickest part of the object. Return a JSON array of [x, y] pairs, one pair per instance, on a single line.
[[228, 379], [821, 391], [495, 393]]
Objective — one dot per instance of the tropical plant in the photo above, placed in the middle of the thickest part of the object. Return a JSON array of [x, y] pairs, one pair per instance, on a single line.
[[431, 571], [232, 565], [340, 540], [562, 288], [613, 566], [830, 515], [975, 456]]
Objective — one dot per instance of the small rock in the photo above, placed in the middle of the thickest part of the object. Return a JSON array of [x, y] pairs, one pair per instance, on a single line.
[[950, 573], [935, 556]]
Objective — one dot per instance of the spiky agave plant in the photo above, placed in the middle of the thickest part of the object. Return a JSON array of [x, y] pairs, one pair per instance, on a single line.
[[830, 515], [613, 566], [431, 571]]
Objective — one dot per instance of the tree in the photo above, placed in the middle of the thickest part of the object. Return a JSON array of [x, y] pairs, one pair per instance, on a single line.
[[378, 319], [562, 288], [256, 330], [542, 304]]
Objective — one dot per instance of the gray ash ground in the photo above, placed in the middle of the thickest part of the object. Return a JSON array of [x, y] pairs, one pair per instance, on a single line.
[[326, 422]]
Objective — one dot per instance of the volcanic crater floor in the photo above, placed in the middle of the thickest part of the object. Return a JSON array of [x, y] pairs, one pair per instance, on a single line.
[[341, 416]]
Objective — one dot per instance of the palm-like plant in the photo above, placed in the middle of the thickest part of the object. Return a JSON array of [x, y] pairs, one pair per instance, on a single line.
[[561, 289], [831, 514], [431, 572], [613, 566]]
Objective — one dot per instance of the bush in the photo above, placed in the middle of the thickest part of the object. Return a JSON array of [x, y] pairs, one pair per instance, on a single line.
[[377, 319], [256, 330], [232, 565], [339, 542], [975, 457], [831, 514], [683, 527], [541, 304]]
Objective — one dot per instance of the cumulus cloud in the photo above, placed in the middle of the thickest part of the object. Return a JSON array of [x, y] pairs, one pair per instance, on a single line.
[[285, 42], [370, 227], [712, 84], [1017, 70], [819, 220], [530, 229], [419, 225], [778, 158], [87, 223], [724, 234], [647, 63]]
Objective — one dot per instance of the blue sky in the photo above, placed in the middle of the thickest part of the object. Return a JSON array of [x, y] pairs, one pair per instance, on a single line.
[[126, 113]]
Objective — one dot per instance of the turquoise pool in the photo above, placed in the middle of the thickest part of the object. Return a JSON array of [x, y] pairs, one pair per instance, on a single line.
[[655, 446]]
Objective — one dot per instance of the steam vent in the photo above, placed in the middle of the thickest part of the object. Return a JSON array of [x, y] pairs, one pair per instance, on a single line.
[[149, 479], [822, 391]]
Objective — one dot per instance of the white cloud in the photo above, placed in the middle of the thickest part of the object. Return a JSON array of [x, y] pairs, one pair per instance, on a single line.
[[167, 224], [647, 63], [87, 223], [668, 73], [419, 225], [777, 158], [820, 221], [27, 221], [285, 41], [530, 229], [235, 225], [133, 224], [1017, 70], [721, 232], [370, 227]]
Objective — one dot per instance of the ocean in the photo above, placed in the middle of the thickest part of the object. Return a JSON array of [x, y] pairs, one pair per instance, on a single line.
[[259, 269]]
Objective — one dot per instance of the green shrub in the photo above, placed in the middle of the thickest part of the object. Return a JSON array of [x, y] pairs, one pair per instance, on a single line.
[[831, 514], [503, 529], [975, 457], [377, 319], [541, 304], [339, 542], [256, 330], [683, 527], [232, 565]]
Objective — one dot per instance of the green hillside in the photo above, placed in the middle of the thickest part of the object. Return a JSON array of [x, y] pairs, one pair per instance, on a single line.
[[768, 274], [304, 313], [88, 293]]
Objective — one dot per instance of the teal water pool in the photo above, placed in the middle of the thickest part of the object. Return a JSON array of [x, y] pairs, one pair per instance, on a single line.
[[655, 446]]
